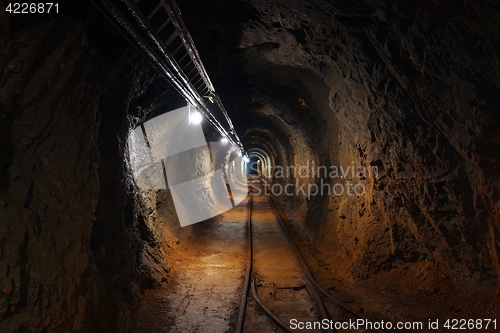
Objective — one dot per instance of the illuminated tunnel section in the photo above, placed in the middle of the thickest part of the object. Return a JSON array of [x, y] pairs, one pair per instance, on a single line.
[[253, 166], [172, 149], [380, 118], [260, 163]]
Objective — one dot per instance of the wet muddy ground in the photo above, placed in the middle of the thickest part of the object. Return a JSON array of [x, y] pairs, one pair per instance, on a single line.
[[204, 291]]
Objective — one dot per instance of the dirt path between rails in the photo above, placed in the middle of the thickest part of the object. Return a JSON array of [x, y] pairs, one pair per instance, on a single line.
[[280, 281], [204, 292]]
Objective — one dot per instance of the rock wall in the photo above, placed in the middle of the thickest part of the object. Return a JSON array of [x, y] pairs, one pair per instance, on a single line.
[[409, 88], [70, 249], [159, 219]]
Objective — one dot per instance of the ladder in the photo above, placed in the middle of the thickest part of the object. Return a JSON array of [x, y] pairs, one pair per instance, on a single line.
[[156, 29]]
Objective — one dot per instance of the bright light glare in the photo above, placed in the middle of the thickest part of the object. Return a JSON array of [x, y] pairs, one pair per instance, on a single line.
[[195, 117], [224, 140], [245, 159]]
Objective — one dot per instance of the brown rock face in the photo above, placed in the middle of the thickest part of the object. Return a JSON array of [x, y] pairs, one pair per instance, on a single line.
[[69, 246], [410, 89]]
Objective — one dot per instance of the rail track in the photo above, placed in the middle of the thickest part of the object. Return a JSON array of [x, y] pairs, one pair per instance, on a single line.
[[156, 29], [327, 304]]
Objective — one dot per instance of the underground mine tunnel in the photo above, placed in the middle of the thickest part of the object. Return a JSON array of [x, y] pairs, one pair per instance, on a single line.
[[364, 143]]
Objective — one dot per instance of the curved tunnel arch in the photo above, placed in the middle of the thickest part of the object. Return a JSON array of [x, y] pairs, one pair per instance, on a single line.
[[266, 162], [377, 87]]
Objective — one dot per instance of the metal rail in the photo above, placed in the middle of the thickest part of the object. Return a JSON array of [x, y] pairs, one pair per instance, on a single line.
[[313, 286], [243, 304], [156, 29], [268, 312], [303, 264]]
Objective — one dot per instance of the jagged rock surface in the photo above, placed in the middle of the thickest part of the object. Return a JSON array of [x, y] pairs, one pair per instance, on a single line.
[[409, 88], [69, 246]]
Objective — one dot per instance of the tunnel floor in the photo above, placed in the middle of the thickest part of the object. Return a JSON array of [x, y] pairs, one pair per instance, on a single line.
[[206, 281], [204, 290], [207, 278]]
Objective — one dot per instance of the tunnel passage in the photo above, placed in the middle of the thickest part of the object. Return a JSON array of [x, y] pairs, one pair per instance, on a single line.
[[253, 166], [397, 103], [260, 163], [410, 89]]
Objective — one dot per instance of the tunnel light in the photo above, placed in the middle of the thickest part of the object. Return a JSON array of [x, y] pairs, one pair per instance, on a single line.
[[245, 159], [224, 140], [195, 117]]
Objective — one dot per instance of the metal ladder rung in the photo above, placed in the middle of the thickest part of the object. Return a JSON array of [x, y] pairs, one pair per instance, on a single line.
[[154, 11], [172, 37], [177, 49], [191, 71], [200, 87], [163, 25], [195, 76], [187, 65], [204, 84], [197, 81], [204, 91], [180, 60]]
